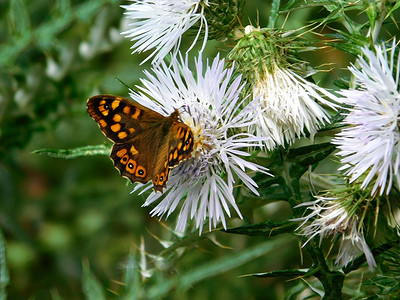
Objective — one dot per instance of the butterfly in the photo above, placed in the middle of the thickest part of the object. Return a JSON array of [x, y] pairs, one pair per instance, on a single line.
[[146, 144]]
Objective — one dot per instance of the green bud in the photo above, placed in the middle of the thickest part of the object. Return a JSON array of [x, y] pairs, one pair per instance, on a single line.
[[222, 18], [260, 51]]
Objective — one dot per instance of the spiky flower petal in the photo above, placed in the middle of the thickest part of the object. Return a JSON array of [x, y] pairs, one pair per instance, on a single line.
[[209, 104], [160, 24], [371, 143], [290, 106]]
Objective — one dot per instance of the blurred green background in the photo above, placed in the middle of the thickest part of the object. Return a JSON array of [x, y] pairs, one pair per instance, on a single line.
[[56, 214]]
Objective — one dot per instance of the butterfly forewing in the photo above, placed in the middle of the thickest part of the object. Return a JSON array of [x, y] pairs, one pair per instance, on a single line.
[[121, 119]]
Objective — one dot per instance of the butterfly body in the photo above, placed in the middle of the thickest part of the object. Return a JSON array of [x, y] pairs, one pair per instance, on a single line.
[[146, 143]]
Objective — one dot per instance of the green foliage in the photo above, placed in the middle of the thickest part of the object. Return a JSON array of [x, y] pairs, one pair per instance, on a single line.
[[4, 275], [76, 152], [56, 213], [91, 286], [387, 284]]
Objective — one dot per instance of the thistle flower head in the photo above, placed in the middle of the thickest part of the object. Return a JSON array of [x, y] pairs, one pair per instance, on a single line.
[[209, 104], [331, 218], [160, 24], [371, 143], [290, 103]]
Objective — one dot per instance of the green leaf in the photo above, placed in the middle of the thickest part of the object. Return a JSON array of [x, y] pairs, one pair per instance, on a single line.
[[309, 155], [4, 276], [371, 12], [218, 266], [281, 273], [266, 229], [131, 278], [19, 17], [352, 42], [91, 286], [394, 8], [76, 152]]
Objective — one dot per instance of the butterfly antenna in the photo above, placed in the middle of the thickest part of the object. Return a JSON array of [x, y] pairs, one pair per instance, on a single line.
[[123, 83]]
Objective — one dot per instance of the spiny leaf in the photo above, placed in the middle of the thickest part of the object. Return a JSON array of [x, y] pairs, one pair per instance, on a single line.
[[90, 284], [76, 152], [266, 229], [19, 17], [4, 276], [311, 154], [281, 273], [218, 266]]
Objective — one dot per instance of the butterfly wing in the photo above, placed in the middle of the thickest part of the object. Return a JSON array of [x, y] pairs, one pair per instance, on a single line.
[[133, 160], [181, 143], [176, 147], [147, 144], [121, 119]]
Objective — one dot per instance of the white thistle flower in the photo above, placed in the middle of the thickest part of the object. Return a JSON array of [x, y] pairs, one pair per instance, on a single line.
[[291, 106], [160, 24], [331, 219], [371, 143], [209, 104]]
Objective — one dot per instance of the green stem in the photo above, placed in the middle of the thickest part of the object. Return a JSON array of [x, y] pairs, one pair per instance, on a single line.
[[378, 24], [332, 281], [274, 13]]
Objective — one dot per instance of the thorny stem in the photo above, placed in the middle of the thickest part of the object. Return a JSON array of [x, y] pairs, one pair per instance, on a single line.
[[332, 281]]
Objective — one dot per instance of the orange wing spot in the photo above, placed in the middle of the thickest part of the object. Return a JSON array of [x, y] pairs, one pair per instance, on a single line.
[[116, 127], [115, 104], [122, 152], [126, 109], [179, 133], [170, 156], [133, 150], [122, 135], [102, 102], [140, 172], [124, 159], [104, 111], [180, 146], [180, 157], [117, 118], [136, 114], [131, 166], [175, 154], [102, 123], [187, 135], [165, 176]]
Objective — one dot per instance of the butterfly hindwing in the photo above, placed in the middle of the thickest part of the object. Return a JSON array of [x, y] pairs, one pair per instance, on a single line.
[[132, 162], [180, 143], [175, 148]]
